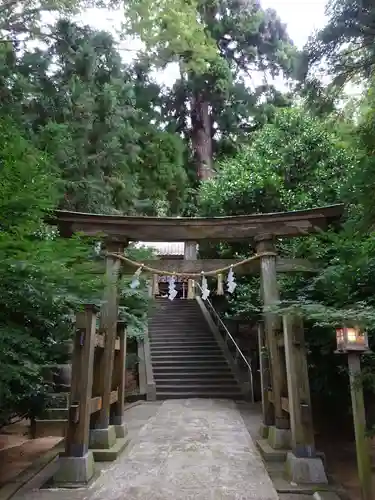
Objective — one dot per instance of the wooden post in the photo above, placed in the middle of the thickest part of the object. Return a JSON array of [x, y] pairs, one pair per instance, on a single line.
[[267, 408], [119, 378], [155, 285], [190, 253], [77, 440], [272, 324], [359, 417], [301, 423], [108, 325]]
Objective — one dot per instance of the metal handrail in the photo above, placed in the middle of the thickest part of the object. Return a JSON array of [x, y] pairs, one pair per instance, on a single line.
[[216, 314]]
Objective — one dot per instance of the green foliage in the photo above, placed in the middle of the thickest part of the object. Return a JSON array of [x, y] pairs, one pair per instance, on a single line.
[[87, 134], [302, 161], [134, 304], [296, 162], [23, 19], [20, 185], [42, 277], [217, 45], [346, 43], [88, 111], [171, 31], [361, 192], [90, 133]]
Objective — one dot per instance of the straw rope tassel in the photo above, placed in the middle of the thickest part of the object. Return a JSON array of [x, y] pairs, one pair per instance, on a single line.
[[191, 290], [155, 285], [220, 285]]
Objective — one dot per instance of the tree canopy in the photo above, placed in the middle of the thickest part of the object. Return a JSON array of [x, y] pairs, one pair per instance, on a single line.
[[345, 43], [90, 133], [219, 47], [298, 161]]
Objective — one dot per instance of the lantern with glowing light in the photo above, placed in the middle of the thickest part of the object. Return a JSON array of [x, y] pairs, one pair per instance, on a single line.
[[351, 339]]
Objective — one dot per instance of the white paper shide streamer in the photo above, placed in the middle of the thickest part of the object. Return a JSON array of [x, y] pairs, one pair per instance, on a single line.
[[172, 292], [135, 280], [205, 289], [231, 283]]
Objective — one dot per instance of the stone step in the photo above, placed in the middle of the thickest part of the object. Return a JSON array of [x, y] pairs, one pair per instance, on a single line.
[[182, 383], [206, 348], [55, 414], [184, 337], [193, 375], [49, 428], [162, 300], [180, 328], [173, 311], [190, 367], [165, 330], [219, 394], [191, 327], [187, 339], [187, 361], [182, 332], [197, 387], [185, 324], [176, 314], [184, 350], [176, 318], [189, 356], [183, 343], [57, 400], [183, 364], [179, 333]]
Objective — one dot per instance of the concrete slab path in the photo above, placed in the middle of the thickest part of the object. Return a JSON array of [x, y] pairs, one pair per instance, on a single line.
[[190, 449]]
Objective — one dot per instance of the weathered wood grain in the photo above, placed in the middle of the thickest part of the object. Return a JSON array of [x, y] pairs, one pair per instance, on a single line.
[[121, 228]]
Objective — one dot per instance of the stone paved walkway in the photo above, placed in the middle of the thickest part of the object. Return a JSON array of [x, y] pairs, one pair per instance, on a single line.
[[191, 449]]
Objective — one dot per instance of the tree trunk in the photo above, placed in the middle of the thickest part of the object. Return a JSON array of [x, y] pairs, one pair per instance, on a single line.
[[201, 136]]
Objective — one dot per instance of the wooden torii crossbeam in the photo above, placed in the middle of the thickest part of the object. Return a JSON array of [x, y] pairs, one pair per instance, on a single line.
[[126, 228]]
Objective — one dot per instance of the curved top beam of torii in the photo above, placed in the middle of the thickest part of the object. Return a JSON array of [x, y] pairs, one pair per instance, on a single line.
[[126, 228]]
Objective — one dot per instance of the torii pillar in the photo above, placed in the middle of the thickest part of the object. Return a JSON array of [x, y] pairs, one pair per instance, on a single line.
[[279, 431], [190, 253], [103, 432]]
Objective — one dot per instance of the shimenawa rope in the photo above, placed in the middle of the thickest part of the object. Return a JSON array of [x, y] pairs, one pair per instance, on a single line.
[[188, 275]]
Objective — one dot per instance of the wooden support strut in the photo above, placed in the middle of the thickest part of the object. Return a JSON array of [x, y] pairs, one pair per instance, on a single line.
[[190, 254], [77, 439], [117, 413], [359, 417], [265, 377], [108, 324], [298, 402], [272, 324]]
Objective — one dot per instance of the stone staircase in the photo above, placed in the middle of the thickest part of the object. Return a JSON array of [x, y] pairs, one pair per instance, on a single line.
[[53, 420], [187, 361]]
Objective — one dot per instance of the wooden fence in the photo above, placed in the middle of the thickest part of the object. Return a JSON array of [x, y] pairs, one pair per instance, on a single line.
[[89, 367]]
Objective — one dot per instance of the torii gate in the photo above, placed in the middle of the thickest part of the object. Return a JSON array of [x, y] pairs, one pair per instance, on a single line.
[[286, 420]]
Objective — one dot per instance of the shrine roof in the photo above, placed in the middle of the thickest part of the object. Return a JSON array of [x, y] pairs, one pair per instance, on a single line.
[[167, 248], [178, 229]]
